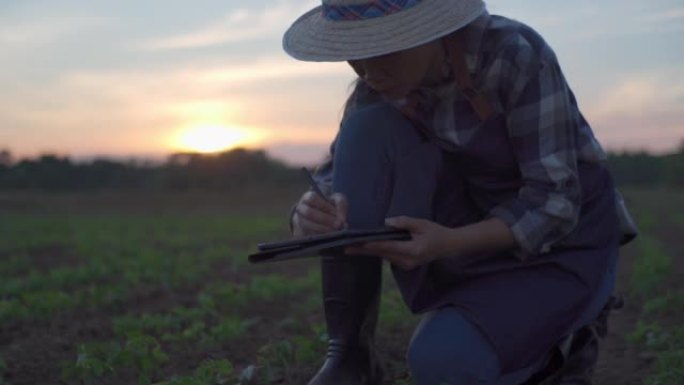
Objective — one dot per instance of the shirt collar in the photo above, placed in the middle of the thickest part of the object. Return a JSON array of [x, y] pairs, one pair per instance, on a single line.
[[474, 33]]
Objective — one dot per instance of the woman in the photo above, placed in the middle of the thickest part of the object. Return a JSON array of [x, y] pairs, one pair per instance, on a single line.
[[462, 130]]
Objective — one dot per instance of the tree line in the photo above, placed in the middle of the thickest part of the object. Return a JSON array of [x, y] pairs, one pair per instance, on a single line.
[[238, 168], [644, 169], [181, 171]]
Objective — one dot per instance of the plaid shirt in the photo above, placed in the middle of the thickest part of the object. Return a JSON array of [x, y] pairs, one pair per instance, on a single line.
[[544, 131]]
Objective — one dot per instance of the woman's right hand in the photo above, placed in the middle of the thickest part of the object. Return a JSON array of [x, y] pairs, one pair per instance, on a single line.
[[315, 215]]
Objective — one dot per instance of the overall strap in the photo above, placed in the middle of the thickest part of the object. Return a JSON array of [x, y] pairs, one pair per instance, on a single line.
[[455, 49]]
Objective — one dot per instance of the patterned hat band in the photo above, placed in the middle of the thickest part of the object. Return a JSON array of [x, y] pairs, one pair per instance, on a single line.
[[364, 11]]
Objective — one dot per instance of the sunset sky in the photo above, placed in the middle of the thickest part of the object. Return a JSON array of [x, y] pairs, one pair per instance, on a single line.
[[145, 78]]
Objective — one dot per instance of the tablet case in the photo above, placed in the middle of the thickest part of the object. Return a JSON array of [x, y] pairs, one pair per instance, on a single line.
[[312, 246]]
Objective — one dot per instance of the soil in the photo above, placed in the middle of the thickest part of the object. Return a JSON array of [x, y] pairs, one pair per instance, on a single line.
[[620, 362], [34, 351]]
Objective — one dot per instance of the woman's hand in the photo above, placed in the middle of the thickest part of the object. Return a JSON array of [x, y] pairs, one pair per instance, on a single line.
[[429, 241], [469, 244], [315, 215]]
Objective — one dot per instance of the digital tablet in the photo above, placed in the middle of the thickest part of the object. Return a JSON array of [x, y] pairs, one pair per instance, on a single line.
[[311, 246]]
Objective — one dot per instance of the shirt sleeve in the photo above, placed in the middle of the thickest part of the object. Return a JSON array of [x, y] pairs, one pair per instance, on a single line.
[[323, 174], [543, 122]]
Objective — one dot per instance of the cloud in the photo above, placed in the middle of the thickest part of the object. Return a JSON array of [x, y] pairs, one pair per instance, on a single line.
[[46, 30], [547, 15], [642, 111], [205, 80], [674, 14], [142, 107], [263, 70], [238, 25], [637, 93], [587, 20], [633, 19]]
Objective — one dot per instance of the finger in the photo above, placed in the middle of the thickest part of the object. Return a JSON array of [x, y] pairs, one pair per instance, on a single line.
[[310, 227], [361, 250], [341, 206], [312, 199], [374, 248], [313, 214], [404, 222], [402, 261], [388, 247]]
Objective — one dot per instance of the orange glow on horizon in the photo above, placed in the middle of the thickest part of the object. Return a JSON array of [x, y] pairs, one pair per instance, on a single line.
[[214, 138]]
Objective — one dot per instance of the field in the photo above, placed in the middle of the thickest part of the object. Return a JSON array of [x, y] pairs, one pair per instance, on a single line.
[[128, 288]]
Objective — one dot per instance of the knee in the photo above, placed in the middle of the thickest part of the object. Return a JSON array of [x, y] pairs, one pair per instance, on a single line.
[[432, 364], [376, 123], [427, 360], [448, 349]]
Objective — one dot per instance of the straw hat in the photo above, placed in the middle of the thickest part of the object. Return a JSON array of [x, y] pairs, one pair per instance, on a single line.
[[340, 30]]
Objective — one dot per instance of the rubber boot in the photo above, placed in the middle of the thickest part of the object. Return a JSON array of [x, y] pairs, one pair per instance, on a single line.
[[584, 352], [351, 300], [578, 368], [576, 363]]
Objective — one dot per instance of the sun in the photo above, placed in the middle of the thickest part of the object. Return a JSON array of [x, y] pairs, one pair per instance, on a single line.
[[213, 138]]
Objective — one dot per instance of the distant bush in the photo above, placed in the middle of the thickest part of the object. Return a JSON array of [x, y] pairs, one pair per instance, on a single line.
[[182, 171], [642, 168], [240, 168]]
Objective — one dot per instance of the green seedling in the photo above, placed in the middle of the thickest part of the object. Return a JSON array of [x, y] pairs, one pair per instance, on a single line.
[[268, 287], [44, 304], [224, 297], [145, 324], [12, 310], [274, 361], [662, 305], [650, 268], [307, 349], [650, 335], [3, 370], [93, 361], [231, 328], [145, 354], [211, 372], [289, 360], [678, 219], [291, 324], [214, 372], [188, 315], [14, 264], [94, 296], [669, 369]]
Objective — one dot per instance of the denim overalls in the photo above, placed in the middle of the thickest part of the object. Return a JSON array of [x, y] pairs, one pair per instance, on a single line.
[[494, 322]]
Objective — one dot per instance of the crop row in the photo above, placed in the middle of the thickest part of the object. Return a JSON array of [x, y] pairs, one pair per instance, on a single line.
[[649, 281], [116, 258], [218, 320], [111, 261]]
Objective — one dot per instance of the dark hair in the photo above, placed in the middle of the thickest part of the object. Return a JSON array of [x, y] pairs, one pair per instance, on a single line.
[[353, 96], [361, 95]]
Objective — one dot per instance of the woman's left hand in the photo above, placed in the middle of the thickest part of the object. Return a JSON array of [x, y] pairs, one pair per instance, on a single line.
[[429, 240]]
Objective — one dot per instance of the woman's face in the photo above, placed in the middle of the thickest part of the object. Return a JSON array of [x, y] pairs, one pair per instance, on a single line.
[[395, 74]]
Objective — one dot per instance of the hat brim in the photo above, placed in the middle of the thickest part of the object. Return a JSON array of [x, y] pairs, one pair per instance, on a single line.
[[312, 37]]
